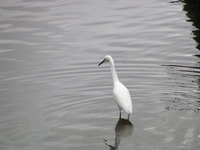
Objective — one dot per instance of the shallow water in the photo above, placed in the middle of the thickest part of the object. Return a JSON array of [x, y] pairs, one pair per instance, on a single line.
[[53, 95]]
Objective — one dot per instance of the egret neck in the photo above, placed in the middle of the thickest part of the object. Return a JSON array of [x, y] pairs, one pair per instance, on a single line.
[[113, 70]]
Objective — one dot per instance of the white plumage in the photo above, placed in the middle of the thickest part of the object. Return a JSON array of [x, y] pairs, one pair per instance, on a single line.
[[120, 92]]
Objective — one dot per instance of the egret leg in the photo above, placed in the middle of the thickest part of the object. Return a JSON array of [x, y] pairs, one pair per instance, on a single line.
[[120, 114], [128, 116]]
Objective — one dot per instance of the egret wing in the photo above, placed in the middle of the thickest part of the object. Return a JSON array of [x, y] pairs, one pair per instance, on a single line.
[[122, 97]]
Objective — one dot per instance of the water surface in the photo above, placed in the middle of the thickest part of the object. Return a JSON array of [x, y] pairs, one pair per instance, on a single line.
[[53, 95]]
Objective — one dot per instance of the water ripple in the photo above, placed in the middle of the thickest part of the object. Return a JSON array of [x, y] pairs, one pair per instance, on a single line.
[[53, 94]]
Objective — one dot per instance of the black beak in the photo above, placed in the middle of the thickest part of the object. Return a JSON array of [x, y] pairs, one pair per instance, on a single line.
[[101, 62]]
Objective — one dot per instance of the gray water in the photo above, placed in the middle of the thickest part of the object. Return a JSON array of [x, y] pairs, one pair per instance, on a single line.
[[54, 97]]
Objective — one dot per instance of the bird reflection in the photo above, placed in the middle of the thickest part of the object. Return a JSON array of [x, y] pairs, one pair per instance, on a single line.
[[123, 128]]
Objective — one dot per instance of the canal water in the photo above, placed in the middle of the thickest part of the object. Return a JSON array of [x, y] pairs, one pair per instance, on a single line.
[[54, 96]]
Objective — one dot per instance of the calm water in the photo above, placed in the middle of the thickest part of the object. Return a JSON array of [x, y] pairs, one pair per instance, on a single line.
[[53, 95]]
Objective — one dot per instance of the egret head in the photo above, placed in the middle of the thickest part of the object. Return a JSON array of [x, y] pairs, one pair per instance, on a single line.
[[107, 58]]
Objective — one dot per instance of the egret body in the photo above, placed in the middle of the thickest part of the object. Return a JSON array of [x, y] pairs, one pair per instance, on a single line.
[[120, 92]]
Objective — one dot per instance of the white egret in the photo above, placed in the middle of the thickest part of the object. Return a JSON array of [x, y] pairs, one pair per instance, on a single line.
[[120, 92]]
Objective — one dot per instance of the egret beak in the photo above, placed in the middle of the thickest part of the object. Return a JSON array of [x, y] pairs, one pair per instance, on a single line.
[[101, 62]]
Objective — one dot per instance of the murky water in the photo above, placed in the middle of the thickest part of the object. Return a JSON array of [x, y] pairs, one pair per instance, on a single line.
[[53, 95]]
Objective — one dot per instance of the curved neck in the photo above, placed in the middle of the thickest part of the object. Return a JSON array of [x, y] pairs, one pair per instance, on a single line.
[[114, 73]]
